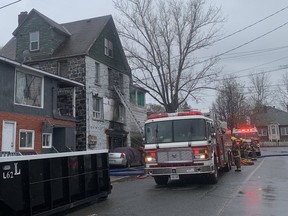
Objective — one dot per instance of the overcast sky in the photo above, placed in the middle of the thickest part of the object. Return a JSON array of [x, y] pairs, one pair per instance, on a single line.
[[253, 57]]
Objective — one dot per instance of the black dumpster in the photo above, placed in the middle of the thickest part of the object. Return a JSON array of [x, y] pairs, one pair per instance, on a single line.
[[50, 183]]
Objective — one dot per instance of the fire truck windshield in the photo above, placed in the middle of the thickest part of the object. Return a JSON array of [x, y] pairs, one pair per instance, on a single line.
[[175, 131]]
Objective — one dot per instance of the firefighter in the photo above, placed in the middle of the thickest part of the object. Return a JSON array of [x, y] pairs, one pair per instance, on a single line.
[[236, 153], [253, 149], [244, 148]]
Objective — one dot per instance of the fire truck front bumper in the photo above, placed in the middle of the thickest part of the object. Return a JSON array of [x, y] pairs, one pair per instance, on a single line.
[[184, 170]]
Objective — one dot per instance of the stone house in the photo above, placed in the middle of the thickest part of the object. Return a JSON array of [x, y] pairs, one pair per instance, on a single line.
[[33, 116], [87, 51]]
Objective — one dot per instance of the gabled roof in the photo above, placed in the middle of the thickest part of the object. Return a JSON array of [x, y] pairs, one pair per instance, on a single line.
[[271, 115], [61, 80], [81, 36], [53, 24]]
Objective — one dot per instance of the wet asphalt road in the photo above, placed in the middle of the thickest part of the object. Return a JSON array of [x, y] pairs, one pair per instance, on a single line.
[[259, 190]]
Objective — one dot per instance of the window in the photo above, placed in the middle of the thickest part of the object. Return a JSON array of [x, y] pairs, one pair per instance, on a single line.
[[121, 113], [29, 89], [262, 132], [284, 130], [46, 140], [97, 73], [273, 129], [110, 77], [141, 99], [108, 48], [97, 107], [26, 139], [63, 69], [34, 41]]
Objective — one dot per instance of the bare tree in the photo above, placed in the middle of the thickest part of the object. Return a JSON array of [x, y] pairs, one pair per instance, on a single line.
[[161, 39], [230, 104], [155, 108], [260, 90], [283, 92]]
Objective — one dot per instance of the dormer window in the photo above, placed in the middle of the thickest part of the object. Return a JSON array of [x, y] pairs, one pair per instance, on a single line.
[[34, 41], [108, 50]]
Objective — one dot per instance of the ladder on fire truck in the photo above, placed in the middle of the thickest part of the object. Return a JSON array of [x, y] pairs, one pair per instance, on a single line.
[[126, 104]]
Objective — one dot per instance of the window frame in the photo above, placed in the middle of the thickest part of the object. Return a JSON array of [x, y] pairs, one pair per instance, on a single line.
[[32, 40], [97, 73], [263, 132], [17, 101], [63, 65], [97, 114], [121, 112], [33, 139], [108, 48], [285, 129], [49, 138]]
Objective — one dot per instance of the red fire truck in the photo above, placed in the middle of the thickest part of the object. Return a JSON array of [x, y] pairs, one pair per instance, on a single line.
[[184, 143], [250, 135]]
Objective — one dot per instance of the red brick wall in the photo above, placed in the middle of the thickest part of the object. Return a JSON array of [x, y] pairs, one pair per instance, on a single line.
[[29, 122]]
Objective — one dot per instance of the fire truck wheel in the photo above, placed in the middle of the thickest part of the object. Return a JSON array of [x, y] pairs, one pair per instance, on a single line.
[[228, 165], [213, 178], [161, 180]]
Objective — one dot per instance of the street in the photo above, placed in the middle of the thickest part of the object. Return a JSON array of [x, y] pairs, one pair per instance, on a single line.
[[260, 189]]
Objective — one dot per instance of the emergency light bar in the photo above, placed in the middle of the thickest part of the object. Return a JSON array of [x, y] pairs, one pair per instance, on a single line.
[[244, 130], [163, 115]]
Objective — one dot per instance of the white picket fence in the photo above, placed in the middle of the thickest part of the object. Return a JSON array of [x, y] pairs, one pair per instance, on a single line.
[[274, 144]]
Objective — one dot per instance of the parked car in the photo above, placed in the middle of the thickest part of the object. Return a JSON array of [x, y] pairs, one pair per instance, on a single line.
[[125, 157]]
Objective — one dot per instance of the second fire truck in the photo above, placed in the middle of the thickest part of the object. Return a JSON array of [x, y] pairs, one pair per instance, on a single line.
[[184, 143]]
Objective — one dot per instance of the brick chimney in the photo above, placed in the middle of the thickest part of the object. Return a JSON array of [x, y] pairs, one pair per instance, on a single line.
[[21, 17]]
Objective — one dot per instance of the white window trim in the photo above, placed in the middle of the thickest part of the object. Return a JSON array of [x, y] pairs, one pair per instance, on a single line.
[[33, 139], [263, 132], [31, 41], [50, 140], [42, 90], [97, 115], [285, 129]]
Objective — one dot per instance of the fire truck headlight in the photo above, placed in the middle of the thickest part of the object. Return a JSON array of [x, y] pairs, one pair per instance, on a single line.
[[148, 159], [202, 156]]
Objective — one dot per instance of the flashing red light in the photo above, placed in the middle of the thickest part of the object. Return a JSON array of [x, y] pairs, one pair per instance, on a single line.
[[154, 116], [196, 151], [190, 113], [163, 115], [153, 154]]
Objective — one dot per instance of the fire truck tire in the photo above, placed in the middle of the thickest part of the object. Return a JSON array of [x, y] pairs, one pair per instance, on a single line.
[[228, 165], [161, 180], [213, 178]]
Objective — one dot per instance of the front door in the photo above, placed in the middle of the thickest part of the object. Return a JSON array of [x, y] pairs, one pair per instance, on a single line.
[[8, 136]]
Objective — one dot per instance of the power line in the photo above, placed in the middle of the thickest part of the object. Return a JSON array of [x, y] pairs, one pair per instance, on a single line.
[[249, 26], [10, 4], [244, 44]]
